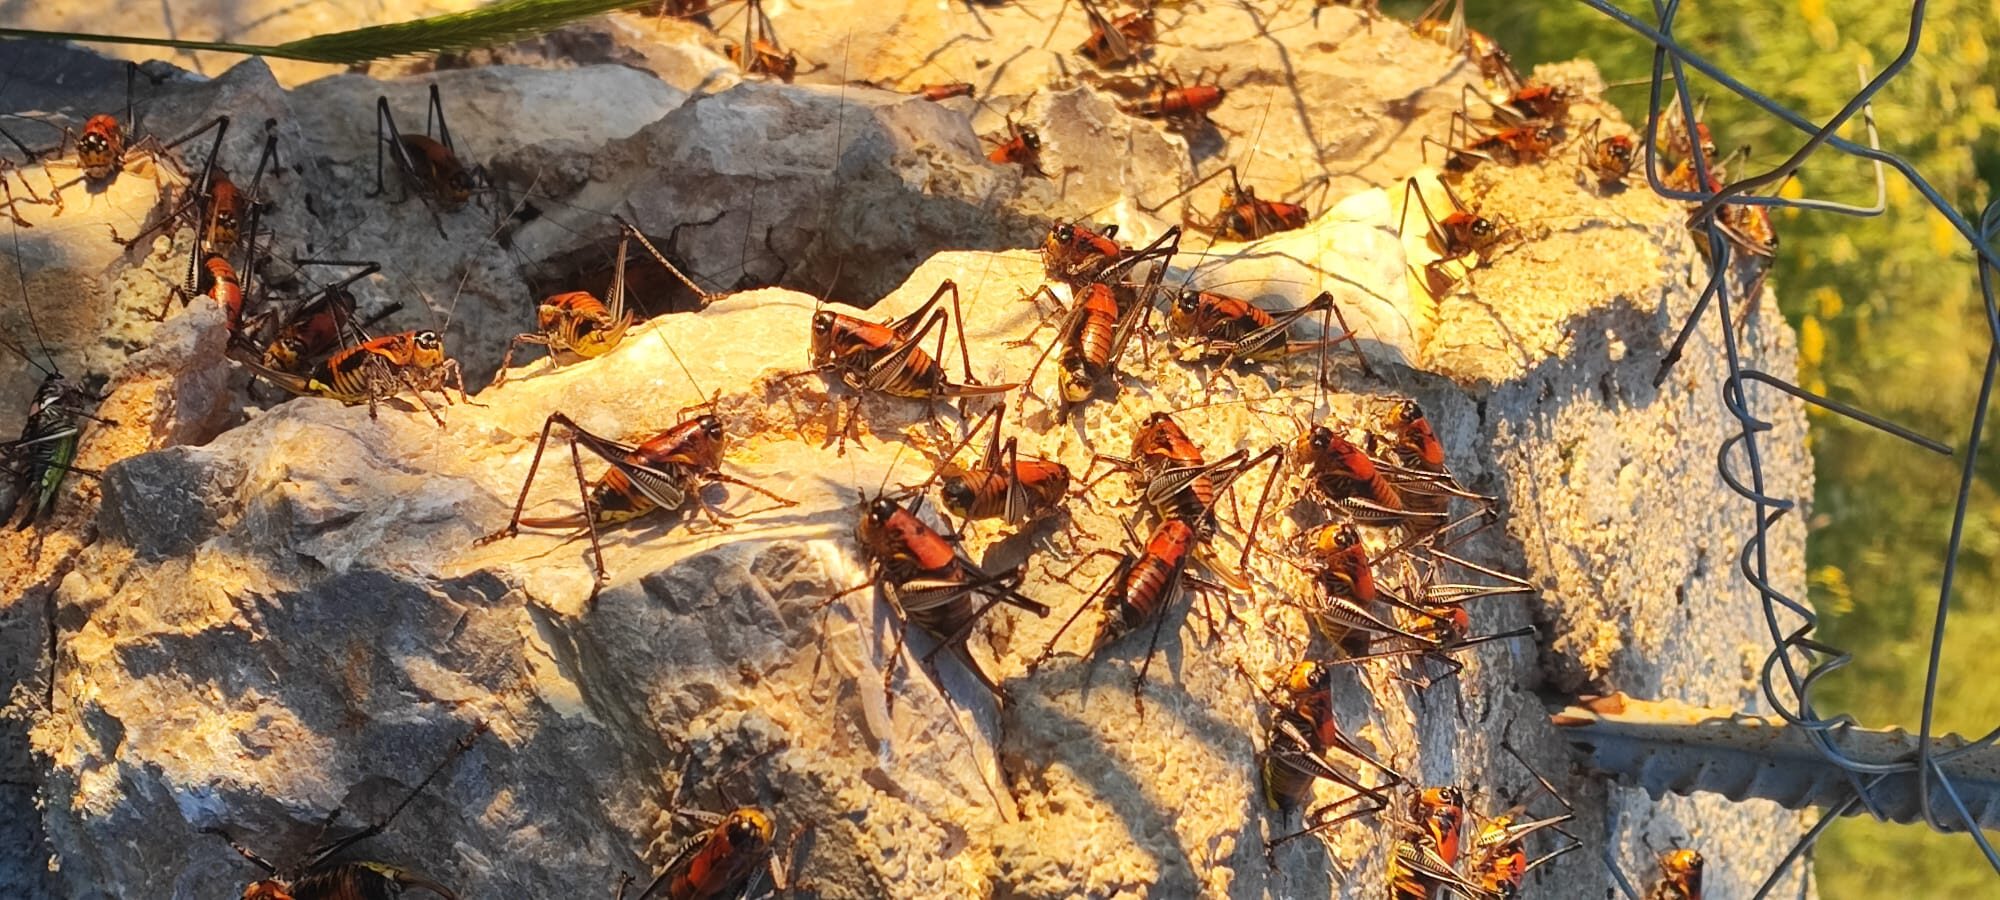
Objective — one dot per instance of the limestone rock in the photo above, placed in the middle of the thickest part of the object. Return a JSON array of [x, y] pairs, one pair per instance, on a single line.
[[260, 622], [1324, 92], [336, 629]]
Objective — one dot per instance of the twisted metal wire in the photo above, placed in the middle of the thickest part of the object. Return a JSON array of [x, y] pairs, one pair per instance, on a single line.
[[1798, 661]]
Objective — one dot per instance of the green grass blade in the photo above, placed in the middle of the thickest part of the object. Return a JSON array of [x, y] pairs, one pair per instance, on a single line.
[[247, 49], [505, 21]]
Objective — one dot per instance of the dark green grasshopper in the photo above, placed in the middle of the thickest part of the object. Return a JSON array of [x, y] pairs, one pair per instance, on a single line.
[[35, 464]]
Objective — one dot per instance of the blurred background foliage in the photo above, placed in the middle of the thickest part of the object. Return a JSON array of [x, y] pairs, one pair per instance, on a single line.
[[1890, 318]]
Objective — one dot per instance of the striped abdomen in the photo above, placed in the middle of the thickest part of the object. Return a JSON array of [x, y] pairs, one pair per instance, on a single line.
[[1251, 218], [1286, 787], [225, 213], [223, 285], [1216, 317], [359, 881], [349, 374], [919, 377], [976, 494], [983, 493], [944, 619], [855, 346], [1499, 865], [1045, 481], [314, 331], [1341, 471], [614, 499], [1163, 451], [1337, 486], [1347, 577], [730, 855], [671, 459], [439, 170], [346, 374], [580, 323], [1166, 102], [1148, 585], [1347, 574], [1141, 596], [1096, 328], [1405, 883], [1189, 503]]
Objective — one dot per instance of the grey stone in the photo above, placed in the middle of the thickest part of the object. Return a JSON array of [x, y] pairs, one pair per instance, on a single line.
[[161, 504]]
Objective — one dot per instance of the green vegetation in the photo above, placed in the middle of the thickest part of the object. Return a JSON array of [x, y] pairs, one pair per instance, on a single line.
[[1889, 318]]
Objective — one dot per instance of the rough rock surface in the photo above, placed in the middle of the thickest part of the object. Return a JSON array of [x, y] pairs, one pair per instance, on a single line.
[[749, 184], [260, 623]]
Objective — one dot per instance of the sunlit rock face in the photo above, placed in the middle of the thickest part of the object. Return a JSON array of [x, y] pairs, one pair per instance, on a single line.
[[263, 612]]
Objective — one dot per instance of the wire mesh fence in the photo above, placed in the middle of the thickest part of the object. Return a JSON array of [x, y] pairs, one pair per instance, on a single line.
[[1798, 661]]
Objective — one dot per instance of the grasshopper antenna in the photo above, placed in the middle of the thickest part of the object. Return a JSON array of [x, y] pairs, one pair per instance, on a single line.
[[1257, 138], [451, 309], [1056, 23], [1249, 159], [839, 135], [633, 230], [28, 304], [996, 415], [683, 366], [883, 488]]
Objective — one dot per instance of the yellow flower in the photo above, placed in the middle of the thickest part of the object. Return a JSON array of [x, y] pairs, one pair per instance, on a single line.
[[1833, 592], [1981, 99], [1812, 342], [1972, 50], [1823, 31], [1945, 239], [1792, 189]]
